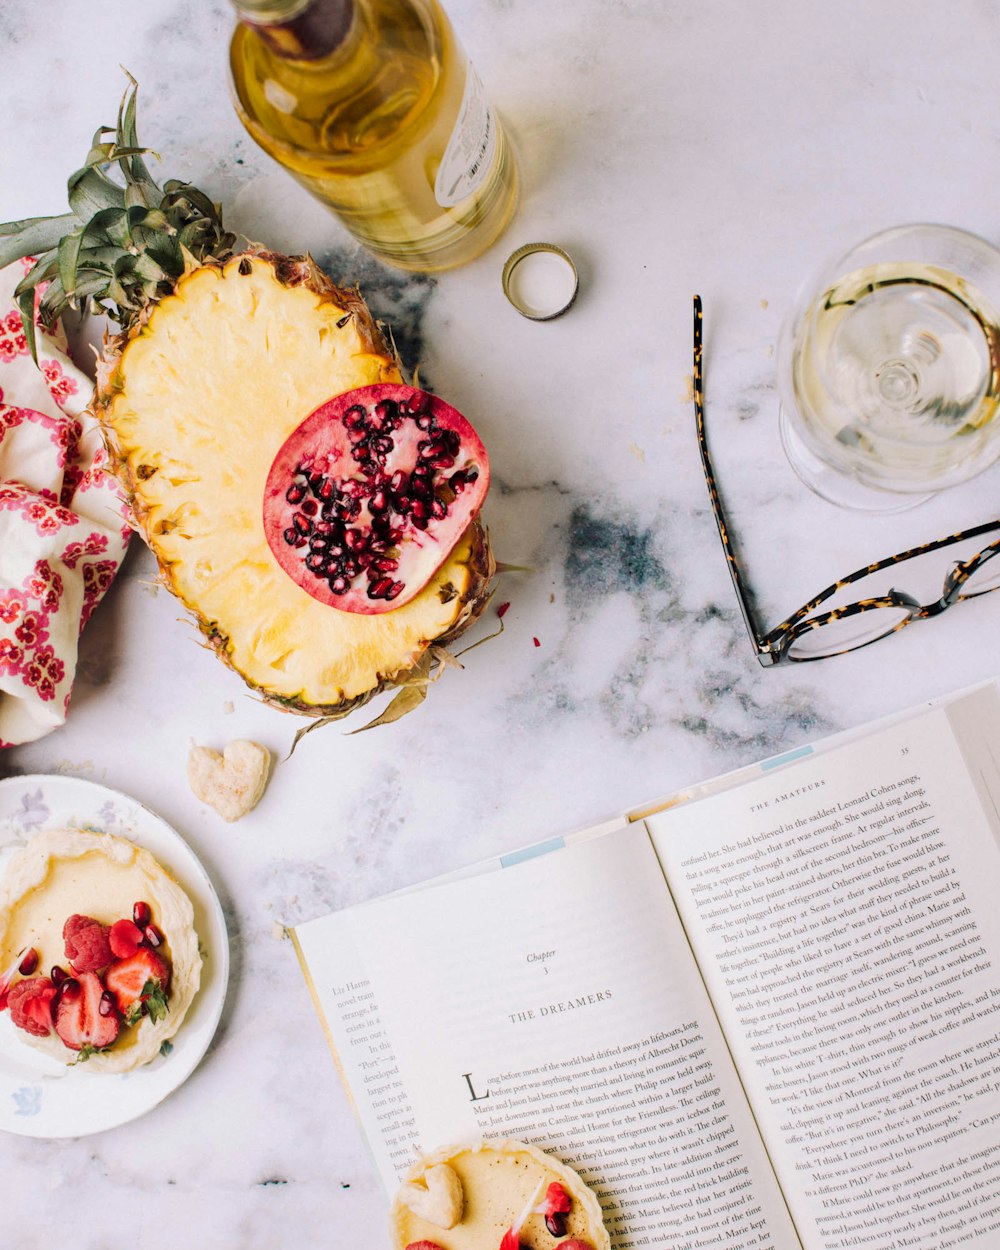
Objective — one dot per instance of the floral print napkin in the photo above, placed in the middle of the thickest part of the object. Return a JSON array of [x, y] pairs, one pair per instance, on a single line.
[[63, 522]]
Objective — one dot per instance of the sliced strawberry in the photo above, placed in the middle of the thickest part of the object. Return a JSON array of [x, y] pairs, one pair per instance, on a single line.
[[557, 1203], [31, 1005], [8, 976], [87, 946], [126, 978], [80, 1021], [125, 938]]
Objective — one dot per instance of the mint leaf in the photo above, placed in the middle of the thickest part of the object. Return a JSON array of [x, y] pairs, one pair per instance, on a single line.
[[155, 1000]]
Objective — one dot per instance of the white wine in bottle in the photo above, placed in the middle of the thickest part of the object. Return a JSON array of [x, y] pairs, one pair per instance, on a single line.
[[373, 106]]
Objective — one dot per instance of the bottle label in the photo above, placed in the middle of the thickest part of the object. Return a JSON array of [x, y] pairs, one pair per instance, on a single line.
[[468, 158]]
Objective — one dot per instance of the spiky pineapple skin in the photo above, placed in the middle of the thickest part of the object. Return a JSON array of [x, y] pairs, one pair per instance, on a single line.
[[461, 587]]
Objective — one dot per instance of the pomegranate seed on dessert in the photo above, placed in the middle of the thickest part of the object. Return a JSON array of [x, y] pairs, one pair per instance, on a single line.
[[107, 1004], [152, 935], [142, 914], [69, 987], [29, 963], [556, 1224], [58, 975]]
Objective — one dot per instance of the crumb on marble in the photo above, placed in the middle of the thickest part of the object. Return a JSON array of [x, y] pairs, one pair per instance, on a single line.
[[74, 768], [687, 396], [637, 451], [763, 304]]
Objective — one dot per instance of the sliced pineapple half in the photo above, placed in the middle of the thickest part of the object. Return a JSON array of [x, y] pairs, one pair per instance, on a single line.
[[196, 401]]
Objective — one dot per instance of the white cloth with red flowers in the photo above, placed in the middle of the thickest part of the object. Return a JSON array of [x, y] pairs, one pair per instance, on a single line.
[[63, 529]]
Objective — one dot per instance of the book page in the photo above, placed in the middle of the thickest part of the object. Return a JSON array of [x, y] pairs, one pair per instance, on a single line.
[[345, 1003], [846, 915], [556, 1002]]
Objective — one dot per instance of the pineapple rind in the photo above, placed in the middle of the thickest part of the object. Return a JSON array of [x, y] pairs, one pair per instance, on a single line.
[[212, 383]]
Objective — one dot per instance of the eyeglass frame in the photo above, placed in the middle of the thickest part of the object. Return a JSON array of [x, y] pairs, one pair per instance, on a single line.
[[773, 647]]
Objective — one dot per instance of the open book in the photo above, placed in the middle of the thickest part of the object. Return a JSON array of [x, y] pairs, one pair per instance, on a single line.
[[765, 1014]]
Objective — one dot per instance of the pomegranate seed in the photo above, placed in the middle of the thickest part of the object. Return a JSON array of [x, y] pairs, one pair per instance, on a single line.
[[290, 537], [386, 408], [142, 914], [502, 610], [69, 988], [302, 523], [536, 642], [152, 935], [556, 1224], [108, 1004], [355, 418], [441, 461], [29, 963], [379, 589], [340, 585], [57, 975], [395, 589], [310, 507]]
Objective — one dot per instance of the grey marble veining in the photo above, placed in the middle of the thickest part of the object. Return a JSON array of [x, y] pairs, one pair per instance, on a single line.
[[694, 146]]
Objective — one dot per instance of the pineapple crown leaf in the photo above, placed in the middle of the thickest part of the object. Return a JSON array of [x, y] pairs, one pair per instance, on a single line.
[[124, 243], [33, 235]]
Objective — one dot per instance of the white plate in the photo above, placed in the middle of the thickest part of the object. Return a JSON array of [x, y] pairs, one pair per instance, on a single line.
[[40, 1097]]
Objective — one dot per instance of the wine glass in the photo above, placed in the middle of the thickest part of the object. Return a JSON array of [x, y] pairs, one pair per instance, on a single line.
[[889, 369]]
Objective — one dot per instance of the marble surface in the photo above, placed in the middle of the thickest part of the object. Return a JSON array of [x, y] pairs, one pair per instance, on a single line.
[[670, 148]]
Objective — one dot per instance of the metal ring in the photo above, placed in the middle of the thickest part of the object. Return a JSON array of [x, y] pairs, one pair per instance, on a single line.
[[540, 280]]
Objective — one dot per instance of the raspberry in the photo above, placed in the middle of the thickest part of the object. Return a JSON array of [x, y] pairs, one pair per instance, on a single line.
[[31, 1005], [87, 946]]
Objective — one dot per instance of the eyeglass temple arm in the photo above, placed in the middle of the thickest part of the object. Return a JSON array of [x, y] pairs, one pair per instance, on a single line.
[[764, 653]]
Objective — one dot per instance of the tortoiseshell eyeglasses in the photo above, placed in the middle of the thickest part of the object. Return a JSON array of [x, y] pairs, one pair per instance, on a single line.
[[811, 635]]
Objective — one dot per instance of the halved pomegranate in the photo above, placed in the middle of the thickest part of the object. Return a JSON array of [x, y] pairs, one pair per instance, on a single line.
[[369, 495]]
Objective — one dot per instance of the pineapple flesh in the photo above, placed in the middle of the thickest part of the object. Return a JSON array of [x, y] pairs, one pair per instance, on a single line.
[[196, 403]]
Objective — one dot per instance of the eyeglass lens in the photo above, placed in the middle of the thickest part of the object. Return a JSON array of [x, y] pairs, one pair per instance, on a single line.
[[983, 579], [845, 633]]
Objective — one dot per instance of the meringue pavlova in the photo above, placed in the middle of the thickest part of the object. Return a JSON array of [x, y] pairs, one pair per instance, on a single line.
[[98, 949], [495, 1195]]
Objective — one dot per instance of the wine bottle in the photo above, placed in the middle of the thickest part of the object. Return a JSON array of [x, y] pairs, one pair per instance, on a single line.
[[373, 106]]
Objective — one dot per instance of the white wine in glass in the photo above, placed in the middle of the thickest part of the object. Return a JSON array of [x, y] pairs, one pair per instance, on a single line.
[[890, 369]]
